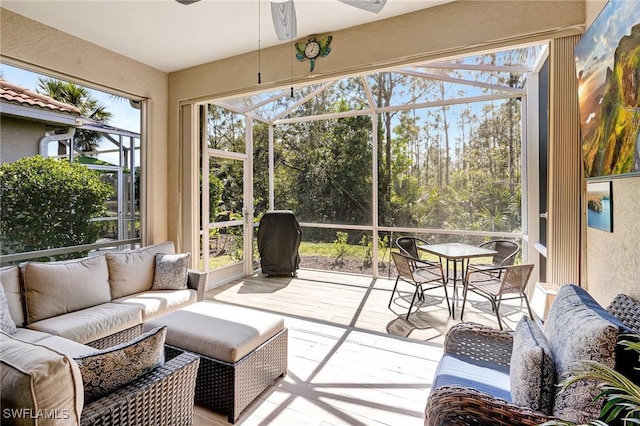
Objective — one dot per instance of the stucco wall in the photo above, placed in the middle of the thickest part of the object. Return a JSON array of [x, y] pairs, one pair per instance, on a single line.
[[613, 258], [41, 48], [19, 138]]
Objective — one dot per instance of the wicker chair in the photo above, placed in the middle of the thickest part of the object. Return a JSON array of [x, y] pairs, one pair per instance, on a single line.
[[418, 276], [459, 405], [506, 255], [165, 396]]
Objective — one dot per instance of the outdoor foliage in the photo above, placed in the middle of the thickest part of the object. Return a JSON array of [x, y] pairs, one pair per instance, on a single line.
[[80, 97], [620, 394], [448, 166], [48, 203]]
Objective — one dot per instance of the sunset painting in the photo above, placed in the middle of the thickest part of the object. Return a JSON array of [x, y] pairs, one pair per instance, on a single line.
[[608, 70]]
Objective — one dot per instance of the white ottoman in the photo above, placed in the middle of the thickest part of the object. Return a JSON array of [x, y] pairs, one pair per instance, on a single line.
[[242, 351]]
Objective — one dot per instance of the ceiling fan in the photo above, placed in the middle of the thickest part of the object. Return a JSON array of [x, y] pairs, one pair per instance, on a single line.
[[285, 24], [283, 14]]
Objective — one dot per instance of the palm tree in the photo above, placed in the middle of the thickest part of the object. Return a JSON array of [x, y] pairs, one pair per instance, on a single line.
[[80, 97]]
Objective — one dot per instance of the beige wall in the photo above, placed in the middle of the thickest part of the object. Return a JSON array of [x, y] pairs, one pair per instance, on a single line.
[[19, 138], [451, 29], [613, 259], [41, 48]]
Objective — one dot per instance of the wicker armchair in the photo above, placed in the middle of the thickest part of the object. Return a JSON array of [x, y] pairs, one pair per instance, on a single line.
[[460, 405], [165, 396], [457, 405]]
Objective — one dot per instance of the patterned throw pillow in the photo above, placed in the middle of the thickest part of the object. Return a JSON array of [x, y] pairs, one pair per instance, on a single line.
[[109, 369], [171, 271], [532, 372], [6, 322]]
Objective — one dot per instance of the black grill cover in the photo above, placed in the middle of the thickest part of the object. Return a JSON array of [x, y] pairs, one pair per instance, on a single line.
[[279, 237]]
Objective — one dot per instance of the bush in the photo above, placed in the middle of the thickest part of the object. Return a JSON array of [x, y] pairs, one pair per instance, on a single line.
[[48, 203]]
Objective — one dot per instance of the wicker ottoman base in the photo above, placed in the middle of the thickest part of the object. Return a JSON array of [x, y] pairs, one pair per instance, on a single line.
[[230, 387]]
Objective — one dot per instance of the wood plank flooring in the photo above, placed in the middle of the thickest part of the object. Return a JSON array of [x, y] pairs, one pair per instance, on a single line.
[[352, 360]]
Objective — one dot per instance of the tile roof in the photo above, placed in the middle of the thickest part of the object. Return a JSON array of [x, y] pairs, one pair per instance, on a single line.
[[17, 94]]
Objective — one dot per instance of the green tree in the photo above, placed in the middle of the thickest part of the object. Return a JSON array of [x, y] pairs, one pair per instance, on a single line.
[[80, 97], [48, 203]]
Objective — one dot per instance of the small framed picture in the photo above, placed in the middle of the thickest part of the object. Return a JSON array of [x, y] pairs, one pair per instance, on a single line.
[[600, 206]]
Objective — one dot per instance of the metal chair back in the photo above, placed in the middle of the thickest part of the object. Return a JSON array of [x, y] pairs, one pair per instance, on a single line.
[[409, 246], [515, 279], [506, 249]]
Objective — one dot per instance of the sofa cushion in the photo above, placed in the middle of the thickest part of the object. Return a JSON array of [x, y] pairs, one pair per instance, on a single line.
[[10, 279], [532, 372], [156, 302], [132, 271], [56, 288], [109, 369], [28, 335], [171, 272], [459, 370], [66, 346], [39, 385], [6, 322], [93, 323], [578, 328]]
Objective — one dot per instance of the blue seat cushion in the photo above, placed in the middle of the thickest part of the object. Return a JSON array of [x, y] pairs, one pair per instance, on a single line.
[[460, 370]]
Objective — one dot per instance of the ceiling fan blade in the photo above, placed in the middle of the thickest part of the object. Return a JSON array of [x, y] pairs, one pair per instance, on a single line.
[[284, 20], [373, 6]]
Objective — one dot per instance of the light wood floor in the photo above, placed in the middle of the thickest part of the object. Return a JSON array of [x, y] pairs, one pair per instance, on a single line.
[[352, 360]]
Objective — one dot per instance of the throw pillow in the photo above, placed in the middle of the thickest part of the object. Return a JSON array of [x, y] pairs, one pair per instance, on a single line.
[[6, 322], [532, 372], [578, 328], [109, 369], [171, 271]]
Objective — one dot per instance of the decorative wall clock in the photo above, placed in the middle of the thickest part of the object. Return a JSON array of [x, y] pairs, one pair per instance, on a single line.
[[313, 49]]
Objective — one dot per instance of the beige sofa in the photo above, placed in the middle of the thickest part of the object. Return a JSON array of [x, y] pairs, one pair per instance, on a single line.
[[68, 309], [100, 300]]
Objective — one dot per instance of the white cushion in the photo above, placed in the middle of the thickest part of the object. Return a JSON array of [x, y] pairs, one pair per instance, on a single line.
[[219, 331], [56, 288], [157, 302], [36, 380], [132, 271], [7, 324], [28, 335], [10, 279], [66, 346], [92, 323]]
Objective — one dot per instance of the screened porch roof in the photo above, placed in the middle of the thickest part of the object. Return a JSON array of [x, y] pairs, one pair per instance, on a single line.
[[476, 78]]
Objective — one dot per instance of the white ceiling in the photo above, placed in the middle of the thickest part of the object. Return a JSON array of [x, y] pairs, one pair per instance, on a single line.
[[170, 36]]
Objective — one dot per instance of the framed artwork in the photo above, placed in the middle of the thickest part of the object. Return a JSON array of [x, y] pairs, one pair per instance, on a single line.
[[607, 68], [600, 206]]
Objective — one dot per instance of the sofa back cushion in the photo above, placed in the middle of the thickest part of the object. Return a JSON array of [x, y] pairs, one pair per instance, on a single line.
[[40, 386], [578, 328], [532, 372], [132, 271], [10, 279], [57, 288]]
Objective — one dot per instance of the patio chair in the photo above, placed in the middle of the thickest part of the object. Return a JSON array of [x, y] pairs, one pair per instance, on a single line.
[[425, 273], [494, 284], [506, 255], [409, 246]]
